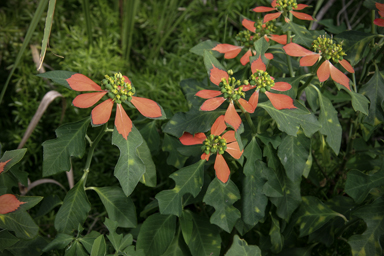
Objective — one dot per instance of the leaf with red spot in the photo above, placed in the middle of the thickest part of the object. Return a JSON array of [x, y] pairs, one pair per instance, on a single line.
[[260, 61], [10, 158], [215, 70], [58, 76], [205, 46]]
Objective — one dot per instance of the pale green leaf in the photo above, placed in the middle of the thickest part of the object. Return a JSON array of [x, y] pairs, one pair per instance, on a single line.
[[240, 247], [99, 247]]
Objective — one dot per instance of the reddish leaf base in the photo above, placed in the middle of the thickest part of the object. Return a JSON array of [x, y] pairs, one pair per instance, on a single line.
[[9, 203]]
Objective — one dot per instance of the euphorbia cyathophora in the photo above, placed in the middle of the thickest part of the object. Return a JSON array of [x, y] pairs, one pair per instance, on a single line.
[[327, 49], [231, 90], [262, 82], [119, 89]]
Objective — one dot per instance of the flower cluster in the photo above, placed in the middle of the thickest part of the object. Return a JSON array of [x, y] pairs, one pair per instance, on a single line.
[[118, 89], [219, 141]]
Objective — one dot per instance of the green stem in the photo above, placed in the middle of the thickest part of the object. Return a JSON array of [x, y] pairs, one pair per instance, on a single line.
[[309, 80], [92, 149], [289, 62], [373, 26], [247, 117], [354, 82]]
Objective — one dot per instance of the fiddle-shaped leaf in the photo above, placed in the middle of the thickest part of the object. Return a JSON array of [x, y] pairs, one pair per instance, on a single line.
[[129, 168], [156, 234], [368, 243], [205, 46], [313, 214], [119, 242], [74, 210], [70, 141], [188, 180], [240, 247], [119, 207], [222, 197], [149, 177]]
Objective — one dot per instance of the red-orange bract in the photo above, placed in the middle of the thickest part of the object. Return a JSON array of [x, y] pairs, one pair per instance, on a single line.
[[213, 102], [326, 69], [380, 21], [3, 164], [102, 112], [9, 203], [218, 128], [272, 16]]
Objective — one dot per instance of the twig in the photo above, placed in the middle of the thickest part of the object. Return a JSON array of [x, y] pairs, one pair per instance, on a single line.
[[322, 12], [346, 17], [341, 11]]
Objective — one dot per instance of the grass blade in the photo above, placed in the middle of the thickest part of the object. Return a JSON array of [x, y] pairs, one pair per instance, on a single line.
[[47, 31]]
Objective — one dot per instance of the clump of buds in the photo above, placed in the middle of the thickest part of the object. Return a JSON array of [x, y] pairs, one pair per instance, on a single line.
[[118, 89]]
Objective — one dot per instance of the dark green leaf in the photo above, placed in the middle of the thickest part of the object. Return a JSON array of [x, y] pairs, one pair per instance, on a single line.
[[201, 237], [293, 153], [76, 249], [358, 184], [177, 247], [313, 214], [32, 247], [21, 223], [11, 158], [277, 239], [302, 35], [129, 168], [210, 61], [30, 201], [114, 238], [240, 247], [149, 177], [49, 202], [373, 90], [119, 207], [359, 102], [7, 240], [222, 197], [156, 234], [58, 76], [331, 28], [176, 159], [188, 180], [368, 243], [289, 121], [151, 136], [70, 142], [74, 210], [60, 242], [88, 239]]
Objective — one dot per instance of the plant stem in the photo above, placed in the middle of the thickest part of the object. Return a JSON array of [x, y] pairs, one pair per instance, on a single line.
[[248, 117], [289, 62], [309, 80], [92, 149]]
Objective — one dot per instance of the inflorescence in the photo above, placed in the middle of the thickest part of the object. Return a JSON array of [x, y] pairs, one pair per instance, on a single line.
[[228, 88], [213, 144], [262, 80], [328, 48], [286, 5], [118, 89]]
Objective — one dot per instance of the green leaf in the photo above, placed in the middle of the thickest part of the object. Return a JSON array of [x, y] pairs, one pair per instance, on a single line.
[[201, 237], [241, 247], [149, 177], [313, 214], [252, 151], [88, 239], [190, 87], [289, 121], [99, 247], [119, 207], [359, 102], [277, 239], [302, 35], [21, 223], [293, 154], [74, 210], [355, 44], [188, 180], [58, 76], [331, 28], [70, 142], [330, 123], [76, 249], [261, 46], [177, 247], [205, 46], [373, 90], [175, 159], [47, 30], [116, 239], [193, 121], [368, 243], [254, 200], [60, 242], [31, 247], [129, 168], [7, 240], [151, 136], [210, 61], [358, 184], [156, 234], [278, 181], [11, 158], [222, 197], [48, 204]]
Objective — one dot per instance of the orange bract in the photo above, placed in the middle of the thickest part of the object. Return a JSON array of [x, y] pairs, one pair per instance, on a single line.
[[9, 203], [102, 112]]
